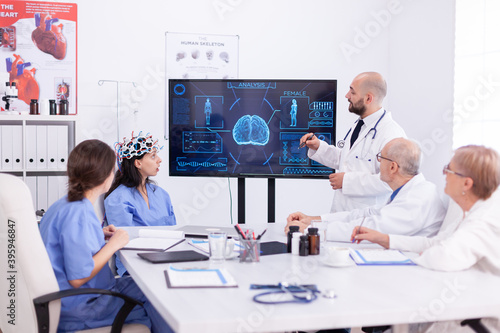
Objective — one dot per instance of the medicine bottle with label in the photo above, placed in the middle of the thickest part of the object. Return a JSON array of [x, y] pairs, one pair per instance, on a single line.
[[314, 241]]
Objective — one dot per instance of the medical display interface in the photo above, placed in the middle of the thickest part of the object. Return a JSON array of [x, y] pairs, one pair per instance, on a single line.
[[239, 128]]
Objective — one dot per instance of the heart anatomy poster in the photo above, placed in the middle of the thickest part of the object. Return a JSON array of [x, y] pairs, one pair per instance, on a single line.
[[38, 51]]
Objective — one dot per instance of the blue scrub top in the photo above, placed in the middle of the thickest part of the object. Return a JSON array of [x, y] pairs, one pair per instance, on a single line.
[[125, 207], [72, 235]]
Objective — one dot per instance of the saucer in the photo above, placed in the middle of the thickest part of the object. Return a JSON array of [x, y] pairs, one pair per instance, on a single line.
[[345, 263]]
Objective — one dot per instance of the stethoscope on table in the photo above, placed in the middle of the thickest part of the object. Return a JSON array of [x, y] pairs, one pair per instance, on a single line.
[[297, 293], [341, 143]]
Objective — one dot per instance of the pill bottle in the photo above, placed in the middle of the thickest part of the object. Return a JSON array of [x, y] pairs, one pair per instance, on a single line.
[[304, 246], [313, 241], [63, 107], [291, 230], [296, 242], [34, 106], [52, 107]]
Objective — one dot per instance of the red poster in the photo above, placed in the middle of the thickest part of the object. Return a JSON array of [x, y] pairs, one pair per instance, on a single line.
[[38, 51]]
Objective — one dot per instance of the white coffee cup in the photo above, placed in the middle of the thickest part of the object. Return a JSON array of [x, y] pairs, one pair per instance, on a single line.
[[338, 255]]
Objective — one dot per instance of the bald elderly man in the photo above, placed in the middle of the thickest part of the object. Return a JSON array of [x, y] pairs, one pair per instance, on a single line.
[[356, 181], [414, 207]]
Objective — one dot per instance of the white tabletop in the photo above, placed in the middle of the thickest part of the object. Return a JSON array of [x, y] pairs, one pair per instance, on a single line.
[[367, 295]]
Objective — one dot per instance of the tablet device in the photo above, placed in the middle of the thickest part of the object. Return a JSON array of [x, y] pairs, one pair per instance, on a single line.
[[173, 256]]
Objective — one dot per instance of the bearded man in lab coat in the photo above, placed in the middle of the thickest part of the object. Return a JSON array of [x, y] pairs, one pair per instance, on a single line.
[[356, 182], [414, 207]]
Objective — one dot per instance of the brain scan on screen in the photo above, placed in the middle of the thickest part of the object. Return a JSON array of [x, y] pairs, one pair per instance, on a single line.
[[251, 130]]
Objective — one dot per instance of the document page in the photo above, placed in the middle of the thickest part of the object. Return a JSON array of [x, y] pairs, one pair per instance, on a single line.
[[198, 278], [152, 244], [379, 257]]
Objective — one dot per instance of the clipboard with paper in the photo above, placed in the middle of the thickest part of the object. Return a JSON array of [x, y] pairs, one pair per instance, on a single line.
[[194, 277], [379, 257]]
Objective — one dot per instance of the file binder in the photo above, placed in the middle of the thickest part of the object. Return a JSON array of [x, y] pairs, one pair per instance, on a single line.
[[62, 147], [17, 147], [52, 190], [31, 183], [52, 153], [41, 147], [41, 193], [7, 132], [30, 144]]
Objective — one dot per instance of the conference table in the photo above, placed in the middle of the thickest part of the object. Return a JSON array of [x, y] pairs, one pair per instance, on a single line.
[[365, 295]]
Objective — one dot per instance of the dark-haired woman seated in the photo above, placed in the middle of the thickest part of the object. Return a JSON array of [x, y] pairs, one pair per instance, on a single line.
[[134, 200], [75, 243]]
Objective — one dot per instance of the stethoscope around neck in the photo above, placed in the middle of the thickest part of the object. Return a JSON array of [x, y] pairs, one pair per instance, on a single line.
[[341, 143]]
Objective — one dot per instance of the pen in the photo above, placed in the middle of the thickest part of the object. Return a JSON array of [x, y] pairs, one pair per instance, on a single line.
[[262, 234], [171, 246], [239, 231], [304, 143], [359, 229]]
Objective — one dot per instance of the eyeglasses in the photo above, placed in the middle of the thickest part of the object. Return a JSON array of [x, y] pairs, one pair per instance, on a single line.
[[446, 170], [379, 157]]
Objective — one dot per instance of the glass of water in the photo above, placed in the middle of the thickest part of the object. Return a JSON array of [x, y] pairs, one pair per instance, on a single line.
[[217, 244]]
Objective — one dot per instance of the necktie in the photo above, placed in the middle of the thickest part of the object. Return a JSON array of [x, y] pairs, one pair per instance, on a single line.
[[355, 133]]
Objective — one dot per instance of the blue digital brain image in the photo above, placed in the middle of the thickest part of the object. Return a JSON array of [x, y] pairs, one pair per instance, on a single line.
[[251, 130]]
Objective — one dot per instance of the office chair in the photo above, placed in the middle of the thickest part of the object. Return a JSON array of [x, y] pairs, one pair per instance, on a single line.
[[30, 286]]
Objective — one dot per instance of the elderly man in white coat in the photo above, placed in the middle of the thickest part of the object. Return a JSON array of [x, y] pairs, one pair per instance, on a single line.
[[414, 208], [356, 182]]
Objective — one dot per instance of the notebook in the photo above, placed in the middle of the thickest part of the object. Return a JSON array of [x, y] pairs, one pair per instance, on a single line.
[[202, 231], [172, 256]]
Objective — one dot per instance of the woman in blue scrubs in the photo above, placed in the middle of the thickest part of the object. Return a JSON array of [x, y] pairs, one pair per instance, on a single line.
[[75, 243], [134, 200]]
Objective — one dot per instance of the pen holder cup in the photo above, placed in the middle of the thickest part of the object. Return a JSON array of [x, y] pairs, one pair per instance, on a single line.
[[250, 250]]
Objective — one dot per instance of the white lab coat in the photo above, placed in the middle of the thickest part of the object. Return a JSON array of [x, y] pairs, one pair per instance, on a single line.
[[362, 186], [470, 241], [416, 210]]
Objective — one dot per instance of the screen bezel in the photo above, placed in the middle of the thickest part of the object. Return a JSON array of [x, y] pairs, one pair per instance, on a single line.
[[219, 174]]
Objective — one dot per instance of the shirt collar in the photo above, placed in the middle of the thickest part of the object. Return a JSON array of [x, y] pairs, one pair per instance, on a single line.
[[393, 195], [372, 119]]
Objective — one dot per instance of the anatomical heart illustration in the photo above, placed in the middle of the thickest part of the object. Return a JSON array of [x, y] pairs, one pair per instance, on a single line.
[[48, 36], [24, 78]]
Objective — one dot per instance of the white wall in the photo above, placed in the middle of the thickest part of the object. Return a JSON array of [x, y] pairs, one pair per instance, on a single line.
[[412, 47]]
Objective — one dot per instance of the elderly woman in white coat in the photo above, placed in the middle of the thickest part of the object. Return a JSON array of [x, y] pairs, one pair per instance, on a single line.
[[470, 239]]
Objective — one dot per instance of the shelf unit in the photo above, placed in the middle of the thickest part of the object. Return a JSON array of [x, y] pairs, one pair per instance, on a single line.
[[30, 173]]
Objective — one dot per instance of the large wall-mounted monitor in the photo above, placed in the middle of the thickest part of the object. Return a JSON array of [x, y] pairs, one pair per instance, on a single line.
[[248, 128]]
